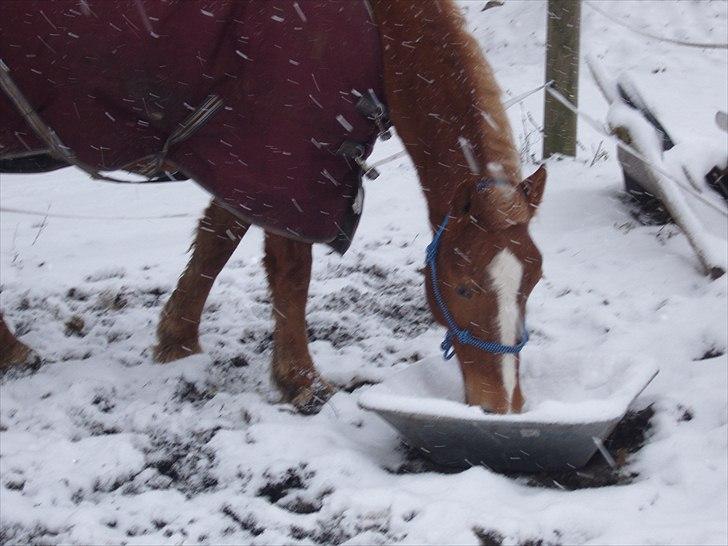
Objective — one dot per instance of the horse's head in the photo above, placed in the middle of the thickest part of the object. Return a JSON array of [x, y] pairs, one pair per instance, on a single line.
[[485, 267], [446, 106]]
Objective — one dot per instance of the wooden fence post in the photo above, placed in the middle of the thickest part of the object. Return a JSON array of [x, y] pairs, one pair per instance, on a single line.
[[562, 66]]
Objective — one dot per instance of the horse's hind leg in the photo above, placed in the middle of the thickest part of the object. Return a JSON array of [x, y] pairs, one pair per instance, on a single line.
[[218, 235], [288, 264], [13, 351]]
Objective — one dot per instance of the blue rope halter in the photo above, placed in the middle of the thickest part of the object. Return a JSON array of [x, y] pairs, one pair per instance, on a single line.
[[454, 331]]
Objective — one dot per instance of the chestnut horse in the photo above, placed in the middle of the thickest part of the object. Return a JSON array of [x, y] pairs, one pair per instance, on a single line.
[[482, 266]]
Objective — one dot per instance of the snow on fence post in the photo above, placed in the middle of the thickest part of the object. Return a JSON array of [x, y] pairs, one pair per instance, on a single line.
[[562, 66]]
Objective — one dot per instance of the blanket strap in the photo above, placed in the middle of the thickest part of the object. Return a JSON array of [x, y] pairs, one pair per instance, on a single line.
[[150, 165]]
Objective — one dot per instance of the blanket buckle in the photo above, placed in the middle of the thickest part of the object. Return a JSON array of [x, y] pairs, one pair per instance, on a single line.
[[355, 151]]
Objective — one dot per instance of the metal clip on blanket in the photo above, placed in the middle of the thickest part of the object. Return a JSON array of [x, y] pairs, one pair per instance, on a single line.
[[372, 108], [355, 151]]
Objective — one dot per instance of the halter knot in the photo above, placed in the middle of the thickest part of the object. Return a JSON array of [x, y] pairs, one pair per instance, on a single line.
[[448, 351]]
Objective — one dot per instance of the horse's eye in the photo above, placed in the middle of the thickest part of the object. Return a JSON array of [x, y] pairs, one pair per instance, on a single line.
[[464, 291]]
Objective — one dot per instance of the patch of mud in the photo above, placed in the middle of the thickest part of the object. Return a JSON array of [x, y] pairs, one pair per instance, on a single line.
[[397, 304], [391, 299], [17, 534], [246, 522], [187, 391], [712, 352], [337, 530], [279, 486], [300, 505], [290, 490], [185, 463], [98, 318], [645, 208], [493, 538]]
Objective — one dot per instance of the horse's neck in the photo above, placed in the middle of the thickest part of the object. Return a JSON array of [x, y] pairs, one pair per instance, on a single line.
[[440, 90]]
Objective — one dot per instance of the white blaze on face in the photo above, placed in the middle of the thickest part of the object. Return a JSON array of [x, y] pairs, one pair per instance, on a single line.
[[505, 273]]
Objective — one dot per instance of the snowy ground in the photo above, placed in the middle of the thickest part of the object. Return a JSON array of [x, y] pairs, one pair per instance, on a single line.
[[103, 446]]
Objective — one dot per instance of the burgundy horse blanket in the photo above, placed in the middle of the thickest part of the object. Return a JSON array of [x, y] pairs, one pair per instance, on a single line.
[[114, 80]]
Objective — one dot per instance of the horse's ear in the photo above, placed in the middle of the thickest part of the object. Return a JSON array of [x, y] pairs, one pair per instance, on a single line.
[[533, 188], [462, 200]]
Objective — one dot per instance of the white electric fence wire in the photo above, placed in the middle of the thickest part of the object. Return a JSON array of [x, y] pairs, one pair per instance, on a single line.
[[655, 36], [25, 212], [506, 105]]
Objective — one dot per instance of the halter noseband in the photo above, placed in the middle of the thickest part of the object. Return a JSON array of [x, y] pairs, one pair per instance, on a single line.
[[454, 331]]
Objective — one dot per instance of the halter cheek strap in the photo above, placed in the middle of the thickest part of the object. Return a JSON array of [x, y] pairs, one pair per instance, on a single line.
[[454, 331]]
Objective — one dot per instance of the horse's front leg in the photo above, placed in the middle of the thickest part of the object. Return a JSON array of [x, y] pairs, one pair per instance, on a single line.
[[288, 264], [13, 352], [218, 235]]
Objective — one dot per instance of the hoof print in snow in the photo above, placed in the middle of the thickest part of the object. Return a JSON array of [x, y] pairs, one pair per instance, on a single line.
[[74, 326], [257, 341], [326, 532], [77, 294], [338, 529], [116, 336], [38, 534], [245, 523], [111, 300], [104, 400], [712, 352], [189, 392], [300, 505], [184, 463], [238, 361], [72, 355], [493, 538], [278, 487], [155, 296], [684, 414], [14, 483]]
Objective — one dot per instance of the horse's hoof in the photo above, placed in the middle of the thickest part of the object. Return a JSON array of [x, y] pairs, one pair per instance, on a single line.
[[311, 399], [169, 352], [19, 357]]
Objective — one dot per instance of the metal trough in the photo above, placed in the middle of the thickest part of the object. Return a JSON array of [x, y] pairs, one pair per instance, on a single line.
[[465, 436]]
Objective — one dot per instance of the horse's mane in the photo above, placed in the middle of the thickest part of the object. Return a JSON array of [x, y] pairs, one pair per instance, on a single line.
[[439, 84], [485, 105]]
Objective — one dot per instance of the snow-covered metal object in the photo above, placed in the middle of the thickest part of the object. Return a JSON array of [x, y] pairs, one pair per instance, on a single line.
[[424, 403], [633, 122]]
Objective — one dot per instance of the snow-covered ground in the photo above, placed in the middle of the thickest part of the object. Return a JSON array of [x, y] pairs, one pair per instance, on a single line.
[[103, 446]]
